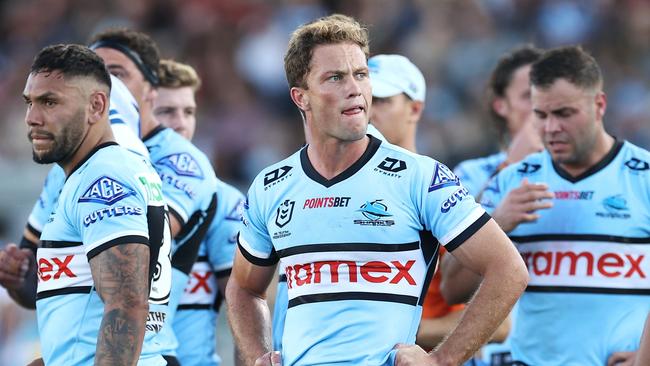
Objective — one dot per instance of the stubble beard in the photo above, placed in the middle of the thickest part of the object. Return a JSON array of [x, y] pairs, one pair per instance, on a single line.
[[66, 144]]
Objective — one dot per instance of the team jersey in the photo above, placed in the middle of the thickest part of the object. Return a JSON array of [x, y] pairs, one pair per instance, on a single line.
[[587, 257], [280, 304], [196, 319], [189, 187], [475, 173], [113, 197], [125, 122], [358, 249]]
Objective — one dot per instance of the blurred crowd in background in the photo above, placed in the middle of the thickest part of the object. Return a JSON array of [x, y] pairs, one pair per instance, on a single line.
[[245, 117]]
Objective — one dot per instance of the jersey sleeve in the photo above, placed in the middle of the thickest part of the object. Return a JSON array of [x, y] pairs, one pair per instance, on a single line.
[[449, 211], [108, 209], [468, 178], [185, 184], [254, 240], [492, 194], [222, 235], [47, 200]]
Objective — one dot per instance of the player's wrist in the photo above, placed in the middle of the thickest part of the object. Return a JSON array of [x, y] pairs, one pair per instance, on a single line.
[[440, 358]]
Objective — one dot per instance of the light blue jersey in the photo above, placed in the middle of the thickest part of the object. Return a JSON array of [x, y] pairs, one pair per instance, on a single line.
[[358, 250], [587, 257], [196, 319], [189, 186], [281, 300], [475, 173], [113, 197]]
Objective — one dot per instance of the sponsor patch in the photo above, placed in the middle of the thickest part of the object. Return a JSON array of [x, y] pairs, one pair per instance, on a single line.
[[454, 199], [443, 177], [637, 164], [276, 176], [107, 191], [182, 164], [391, 166], [326, 202], [99, 215], [573, 195], [528, 168]]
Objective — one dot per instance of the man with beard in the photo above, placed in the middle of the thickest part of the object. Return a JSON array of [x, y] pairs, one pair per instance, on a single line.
[[99, 247]]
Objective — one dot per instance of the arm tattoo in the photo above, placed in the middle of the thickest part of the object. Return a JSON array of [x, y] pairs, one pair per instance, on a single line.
[[121, 279]]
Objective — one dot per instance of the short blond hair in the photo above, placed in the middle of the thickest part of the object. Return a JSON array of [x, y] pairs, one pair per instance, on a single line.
[[336, 28], [173, 74]]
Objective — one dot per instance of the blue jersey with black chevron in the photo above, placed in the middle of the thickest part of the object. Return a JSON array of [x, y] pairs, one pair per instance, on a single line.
[[358, 249], [113, 198], [587, 256]]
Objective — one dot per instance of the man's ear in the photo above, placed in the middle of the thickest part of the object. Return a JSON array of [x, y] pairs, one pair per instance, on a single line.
[[98, 106], [500, 106], [601, 104], [300, 98], [416, 110]]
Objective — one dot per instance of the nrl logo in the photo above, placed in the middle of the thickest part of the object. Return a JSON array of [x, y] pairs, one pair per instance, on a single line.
[[107, 191], [284, 213], [183, 164]]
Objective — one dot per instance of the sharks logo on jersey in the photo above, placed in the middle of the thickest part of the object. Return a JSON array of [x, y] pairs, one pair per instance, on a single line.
[[183, 164], [616, 207], [443, 177], [107, 191]]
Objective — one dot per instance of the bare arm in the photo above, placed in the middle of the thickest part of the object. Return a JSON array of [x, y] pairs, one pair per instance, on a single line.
[[457, 284], [121, 276], [248, 311], [433, 330], [504, 279], [222, 282], [489, 252]]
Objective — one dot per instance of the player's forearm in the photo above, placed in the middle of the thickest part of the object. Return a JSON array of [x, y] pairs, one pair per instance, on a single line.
[[250, 321], [121, 279], [121, 335], [491, 304]]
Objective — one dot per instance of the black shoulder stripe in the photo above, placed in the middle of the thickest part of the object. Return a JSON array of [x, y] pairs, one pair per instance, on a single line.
[[128, 239], [264, 262], [471, 230]]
